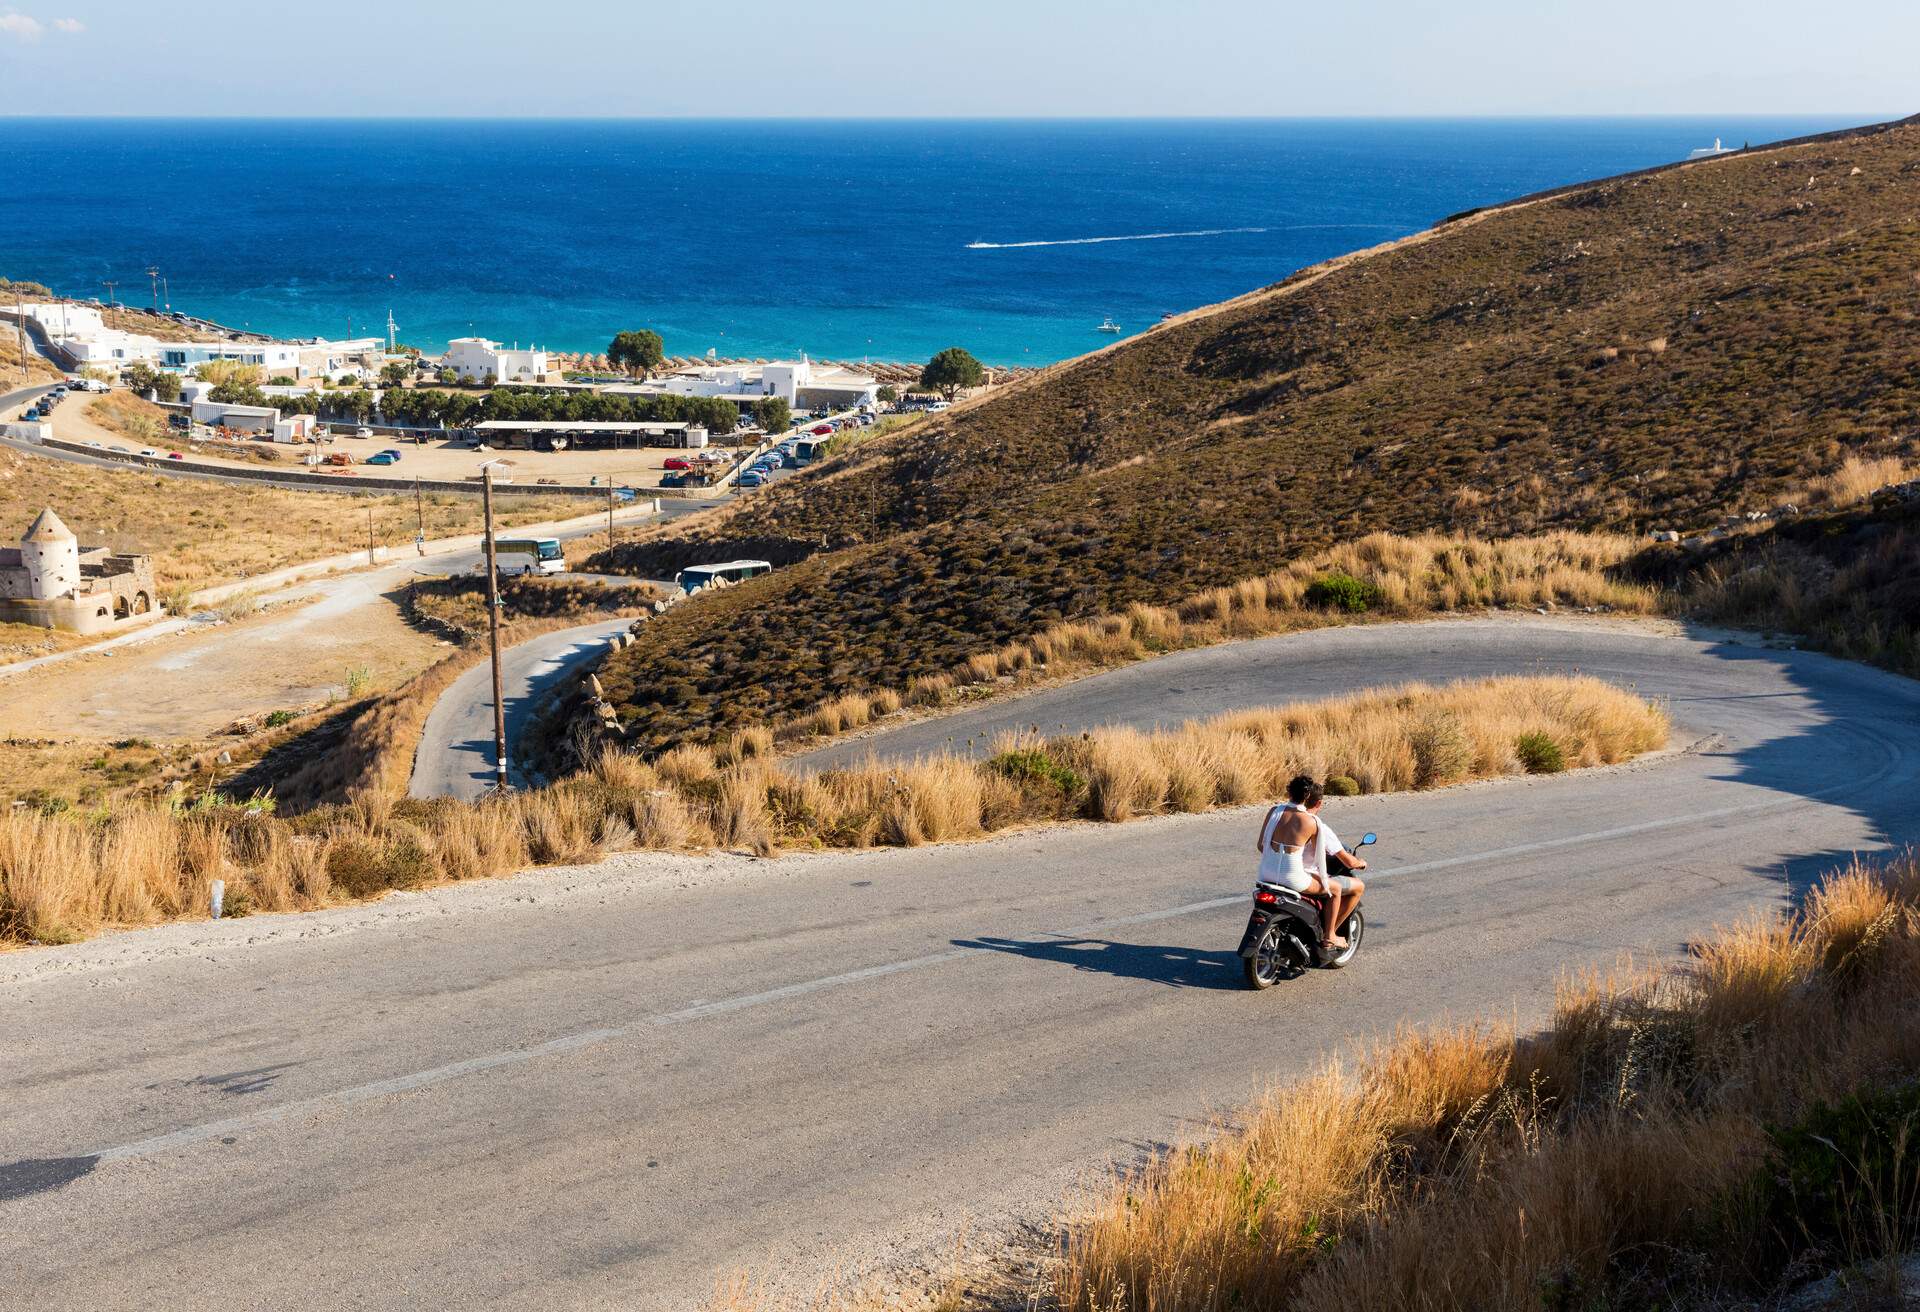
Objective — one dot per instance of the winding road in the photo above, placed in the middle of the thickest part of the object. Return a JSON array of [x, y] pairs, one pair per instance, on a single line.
[[456, 757], [609, 1086]]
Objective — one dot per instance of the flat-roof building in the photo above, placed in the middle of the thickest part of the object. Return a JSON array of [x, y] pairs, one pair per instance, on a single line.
[[800, 383], [482, 360], [81, 333]]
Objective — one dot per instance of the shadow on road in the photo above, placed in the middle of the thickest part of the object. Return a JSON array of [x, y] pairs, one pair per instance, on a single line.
[[1180, 967]]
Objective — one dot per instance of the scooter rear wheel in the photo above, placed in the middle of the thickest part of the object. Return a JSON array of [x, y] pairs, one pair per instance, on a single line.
[[1274, 958]]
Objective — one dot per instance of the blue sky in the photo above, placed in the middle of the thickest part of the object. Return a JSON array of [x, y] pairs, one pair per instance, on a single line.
[[830, 58]]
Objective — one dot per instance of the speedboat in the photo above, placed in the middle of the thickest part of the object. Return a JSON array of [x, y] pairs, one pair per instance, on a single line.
[[1708, 152], [1107, 325]]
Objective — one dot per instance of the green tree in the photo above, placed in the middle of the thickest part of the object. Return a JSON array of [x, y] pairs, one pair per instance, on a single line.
[[166, 386], [359, 404], [887, 392], [638, 351], [395, 373], [226, 371], [952, 371], [239, 391], [141, 376], [773, 414]]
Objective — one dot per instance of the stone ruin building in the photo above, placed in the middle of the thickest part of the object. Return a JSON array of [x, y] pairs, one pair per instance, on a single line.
[[50, 580]]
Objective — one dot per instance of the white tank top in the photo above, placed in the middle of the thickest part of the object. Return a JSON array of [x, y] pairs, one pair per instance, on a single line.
[[1282, 867]]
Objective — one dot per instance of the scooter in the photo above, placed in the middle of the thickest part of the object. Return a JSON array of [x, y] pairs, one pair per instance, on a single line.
[[1283, 933]]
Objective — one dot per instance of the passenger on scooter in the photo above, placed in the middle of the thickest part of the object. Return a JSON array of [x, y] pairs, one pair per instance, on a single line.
[[1294, 848]]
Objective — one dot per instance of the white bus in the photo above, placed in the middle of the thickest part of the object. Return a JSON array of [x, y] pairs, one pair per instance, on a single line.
[[694, 577], [530, 556]]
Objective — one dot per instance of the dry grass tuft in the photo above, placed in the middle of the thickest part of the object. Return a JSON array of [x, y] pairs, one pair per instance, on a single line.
[[1631, 1154], [1396, 578], [63, 875]]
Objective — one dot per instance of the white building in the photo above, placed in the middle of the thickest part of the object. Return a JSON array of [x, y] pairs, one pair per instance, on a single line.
[[479, 360], [81, 332], [800, 383]]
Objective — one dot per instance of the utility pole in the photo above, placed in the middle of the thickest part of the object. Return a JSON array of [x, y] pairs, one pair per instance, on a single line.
[[419, 519], [109, 285], [153, 285], [609, 513], [493, 633], [166, 295], [370, 535]]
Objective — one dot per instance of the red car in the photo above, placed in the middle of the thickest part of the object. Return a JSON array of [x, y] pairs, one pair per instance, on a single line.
[[677, 462], [175, 455], [821, 430]]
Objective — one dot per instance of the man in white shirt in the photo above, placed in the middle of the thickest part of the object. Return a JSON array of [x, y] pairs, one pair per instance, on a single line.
[[1343, 889]]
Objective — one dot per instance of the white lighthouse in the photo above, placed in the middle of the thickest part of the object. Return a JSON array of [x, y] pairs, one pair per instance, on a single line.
[[51, 555]]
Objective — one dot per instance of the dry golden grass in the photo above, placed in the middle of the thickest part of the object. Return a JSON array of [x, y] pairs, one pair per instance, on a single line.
[[130, 416], [1400, 578], [1857, 479], [201, 533], [39, 368], [65, 874], [1622, 1157]]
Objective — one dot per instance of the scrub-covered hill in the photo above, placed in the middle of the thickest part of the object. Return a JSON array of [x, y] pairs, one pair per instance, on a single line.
[[1659, 350]]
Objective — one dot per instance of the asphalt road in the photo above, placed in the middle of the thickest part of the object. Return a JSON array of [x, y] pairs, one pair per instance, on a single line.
[[456, 756], [606, 1087]]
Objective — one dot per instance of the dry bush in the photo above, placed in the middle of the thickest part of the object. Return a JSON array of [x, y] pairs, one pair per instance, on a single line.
[[1627, 1155], [63, 875], [1409, 577], [1857, 479]]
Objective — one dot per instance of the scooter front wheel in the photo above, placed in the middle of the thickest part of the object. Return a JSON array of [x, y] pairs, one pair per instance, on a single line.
[[1275, 957], [1352, 931]]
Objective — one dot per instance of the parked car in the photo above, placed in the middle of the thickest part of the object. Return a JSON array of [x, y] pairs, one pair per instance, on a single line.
[[363, 432], [149, 451], [676, 462], [752, 478], [175, 455], [673, 480], [101, 445], [771, 459], [382, 458], [389, 451], [624, 494]]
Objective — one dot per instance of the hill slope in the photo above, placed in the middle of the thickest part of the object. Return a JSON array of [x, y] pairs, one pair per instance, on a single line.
[[1661, 349]]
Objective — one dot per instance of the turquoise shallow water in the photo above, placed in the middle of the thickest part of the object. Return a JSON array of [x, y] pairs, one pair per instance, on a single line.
[[845, 239]]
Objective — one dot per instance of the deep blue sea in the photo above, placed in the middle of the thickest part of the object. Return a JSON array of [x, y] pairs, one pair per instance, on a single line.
[[844, 239]]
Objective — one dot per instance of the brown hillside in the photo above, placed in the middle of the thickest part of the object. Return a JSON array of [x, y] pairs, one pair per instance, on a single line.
[[1656, 350]]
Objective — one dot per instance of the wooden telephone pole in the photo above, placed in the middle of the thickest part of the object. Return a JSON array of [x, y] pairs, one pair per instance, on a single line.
[[493, 633]]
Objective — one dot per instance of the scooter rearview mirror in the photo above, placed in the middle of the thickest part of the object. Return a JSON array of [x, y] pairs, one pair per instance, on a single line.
[[1369, 838]]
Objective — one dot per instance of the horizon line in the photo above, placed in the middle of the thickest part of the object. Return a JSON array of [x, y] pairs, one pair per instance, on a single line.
[[1865, 117]]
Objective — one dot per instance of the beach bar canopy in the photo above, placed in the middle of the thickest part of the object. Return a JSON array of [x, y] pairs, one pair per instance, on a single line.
[[588, 434]]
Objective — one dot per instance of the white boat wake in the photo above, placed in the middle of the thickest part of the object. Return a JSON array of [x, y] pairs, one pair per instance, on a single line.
[[1161, 236], [1095, 241]]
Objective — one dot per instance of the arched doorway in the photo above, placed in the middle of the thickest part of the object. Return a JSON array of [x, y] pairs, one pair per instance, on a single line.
[[140, 603], [121, 609]]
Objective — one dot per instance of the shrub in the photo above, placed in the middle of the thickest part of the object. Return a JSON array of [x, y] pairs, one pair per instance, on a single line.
[[1539, 753], [1032, 766], [277, 718], [1342, 785], [1848, 1176], [1441, 749], [1341, 591]]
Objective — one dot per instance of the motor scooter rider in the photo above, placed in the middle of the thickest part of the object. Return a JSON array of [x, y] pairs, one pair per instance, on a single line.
[[1295, 848]]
